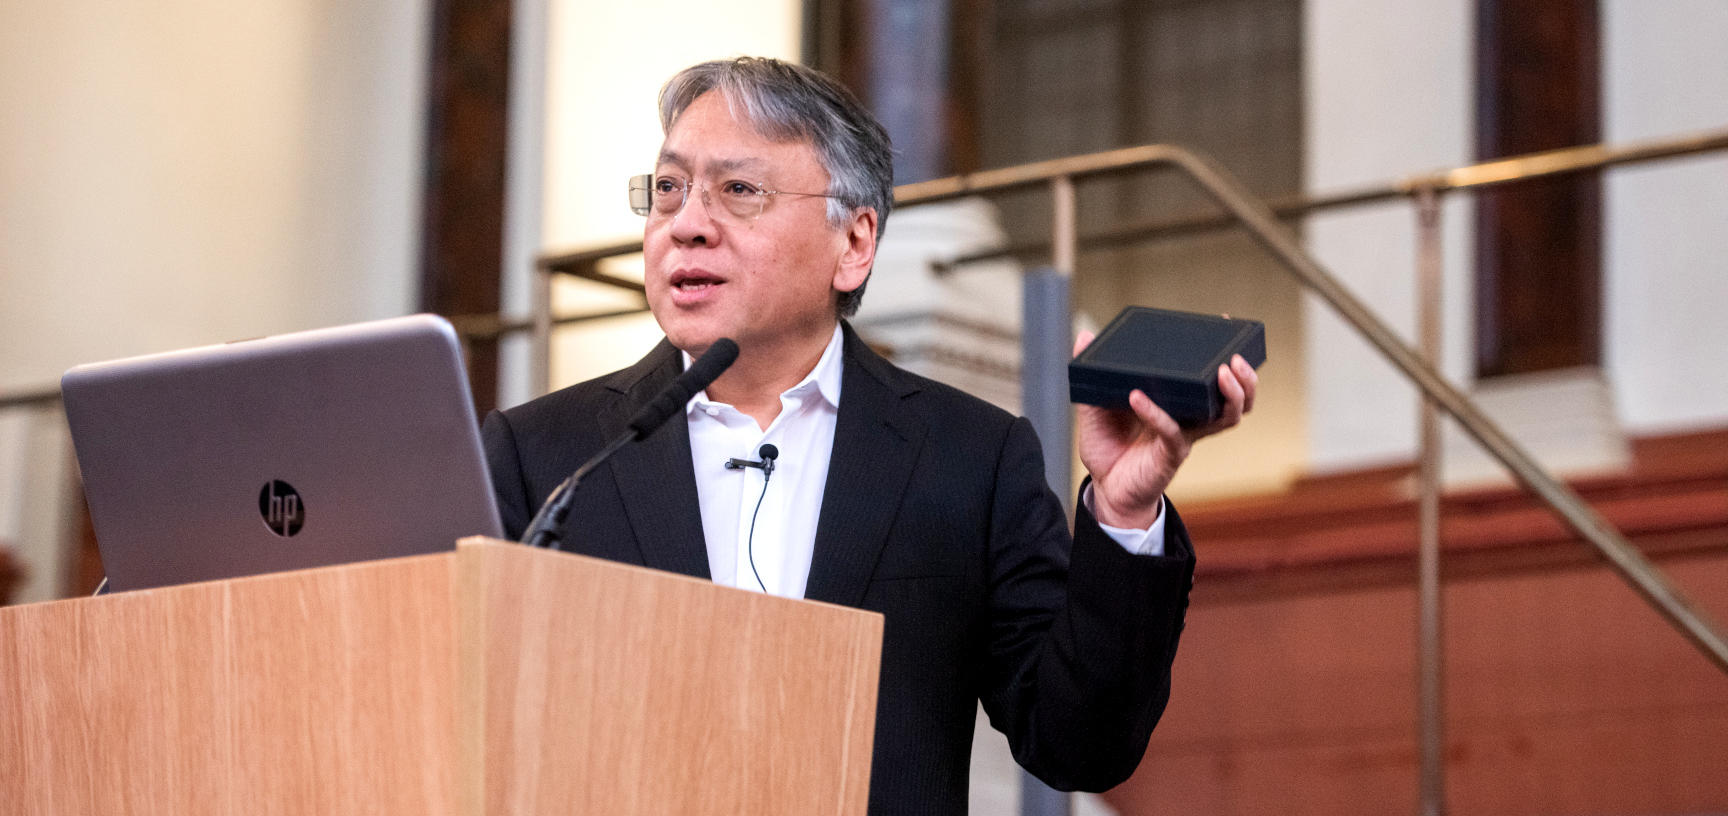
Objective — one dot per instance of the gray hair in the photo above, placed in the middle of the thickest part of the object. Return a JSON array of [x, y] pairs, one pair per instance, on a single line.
[[784, 102]]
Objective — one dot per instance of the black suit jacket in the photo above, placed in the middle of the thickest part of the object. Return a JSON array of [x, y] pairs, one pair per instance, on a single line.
[[936, 515]]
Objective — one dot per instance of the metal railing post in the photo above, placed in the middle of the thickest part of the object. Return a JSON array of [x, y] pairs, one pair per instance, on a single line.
[[540, 330], [1430, 663], [1045, 344]]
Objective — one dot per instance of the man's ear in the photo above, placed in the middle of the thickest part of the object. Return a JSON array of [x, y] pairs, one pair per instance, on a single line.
[[859, 253]]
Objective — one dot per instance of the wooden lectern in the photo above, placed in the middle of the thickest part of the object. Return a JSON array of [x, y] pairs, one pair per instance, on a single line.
[[494, 679]]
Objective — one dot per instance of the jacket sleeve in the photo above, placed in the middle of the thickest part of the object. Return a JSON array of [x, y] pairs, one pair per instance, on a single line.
[[1081, 633]]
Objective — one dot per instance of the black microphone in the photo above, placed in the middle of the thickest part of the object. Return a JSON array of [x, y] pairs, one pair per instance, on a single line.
[[543, 530], [768, 453], [701, 373]]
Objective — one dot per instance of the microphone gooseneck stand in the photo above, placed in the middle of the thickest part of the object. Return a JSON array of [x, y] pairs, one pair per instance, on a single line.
[[543, 530]]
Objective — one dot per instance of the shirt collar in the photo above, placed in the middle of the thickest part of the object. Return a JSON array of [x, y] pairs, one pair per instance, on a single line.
[[824, 378]]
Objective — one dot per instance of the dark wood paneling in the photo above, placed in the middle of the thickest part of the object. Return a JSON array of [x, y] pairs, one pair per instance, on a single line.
[[1538, 245], [912, 63], [466, 136]]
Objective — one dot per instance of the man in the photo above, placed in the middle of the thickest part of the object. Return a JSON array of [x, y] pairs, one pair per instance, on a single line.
[[892, 493]]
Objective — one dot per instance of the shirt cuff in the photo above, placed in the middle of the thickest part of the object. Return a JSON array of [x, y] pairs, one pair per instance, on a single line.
[[1149, 541]]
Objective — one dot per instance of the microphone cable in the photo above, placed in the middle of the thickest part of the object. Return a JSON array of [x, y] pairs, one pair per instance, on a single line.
[[768, 453]]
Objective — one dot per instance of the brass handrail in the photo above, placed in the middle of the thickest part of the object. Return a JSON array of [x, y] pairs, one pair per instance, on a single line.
[[468, 327], [1260, 220], [1485, 175], [1474, 176], [28, 398], [1644, 577], [1482, 175]]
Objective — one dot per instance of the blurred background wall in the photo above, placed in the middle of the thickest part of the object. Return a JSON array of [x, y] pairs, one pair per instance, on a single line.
[[183, 173]]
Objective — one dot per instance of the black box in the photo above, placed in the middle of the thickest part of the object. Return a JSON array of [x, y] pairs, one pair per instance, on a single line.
[[1172, 356]]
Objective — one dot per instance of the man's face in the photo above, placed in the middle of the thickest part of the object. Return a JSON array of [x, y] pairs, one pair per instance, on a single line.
[[767, 282]]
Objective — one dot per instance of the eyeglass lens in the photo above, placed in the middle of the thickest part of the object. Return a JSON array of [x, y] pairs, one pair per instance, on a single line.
[[666, 195]]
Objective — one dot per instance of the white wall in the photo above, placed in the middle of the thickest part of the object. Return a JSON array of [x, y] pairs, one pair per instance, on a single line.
[[1390, 90], [1665, 73], [1389, 94], [181, 172]]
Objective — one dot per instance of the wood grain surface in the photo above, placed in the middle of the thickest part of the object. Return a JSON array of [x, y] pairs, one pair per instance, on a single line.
[[319, 691], [495, 679], [752, 704]]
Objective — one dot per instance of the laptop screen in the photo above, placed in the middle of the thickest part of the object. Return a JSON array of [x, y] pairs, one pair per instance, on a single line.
[[287, 452]]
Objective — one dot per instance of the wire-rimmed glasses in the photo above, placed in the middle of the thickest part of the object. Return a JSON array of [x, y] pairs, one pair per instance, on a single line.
[[666, 196]]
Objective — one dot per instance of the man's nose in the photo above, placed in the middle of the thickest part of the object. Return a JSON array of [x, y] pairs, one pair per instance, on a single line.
[[691, 224]]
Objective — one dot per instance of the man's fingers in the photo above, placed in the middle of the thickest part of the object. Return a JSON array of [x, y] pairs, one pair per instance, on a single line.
[[1154, 417], [1235, 398], [1236, 382], [1082, 341], [1249, 379]]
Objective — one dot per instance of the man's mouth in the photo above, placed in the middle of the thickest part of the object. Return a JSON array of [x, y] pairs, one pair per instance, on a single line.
[[694, 281]]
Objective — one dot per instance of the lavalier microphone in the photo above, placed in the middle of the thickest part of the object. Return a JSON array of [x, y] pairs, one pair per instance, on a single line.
[[768, 453]]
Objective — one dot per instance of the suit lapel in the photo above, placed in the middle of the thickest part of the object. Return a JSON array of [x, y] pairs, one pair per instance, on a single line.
[[656, 480], [876, 444]]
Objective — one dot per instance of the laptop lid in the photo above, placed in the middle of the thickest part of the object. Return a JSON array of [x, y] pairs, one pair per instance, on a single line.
[[287, 452]]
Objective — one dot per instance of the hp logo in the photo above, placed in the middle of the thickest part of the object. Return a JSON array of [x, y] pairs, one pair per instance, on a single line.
[[281, 508]]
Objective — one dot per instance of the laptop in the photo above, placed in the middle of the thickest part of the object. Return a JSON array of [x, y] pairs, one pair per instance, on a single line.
[[287, 452]]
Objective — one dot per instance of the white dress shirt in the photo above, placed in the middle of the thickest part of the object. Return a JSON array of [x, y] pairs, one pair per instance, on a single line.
[[785, 535], [784, 539]]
